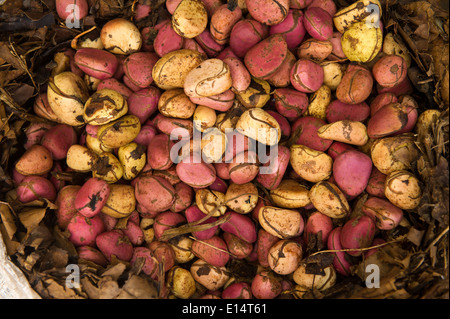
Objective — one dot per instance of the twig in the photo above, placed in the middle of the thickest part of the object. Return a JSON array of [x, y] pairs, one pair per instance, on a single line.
[[442, 234], [217, 248], [356, 249]]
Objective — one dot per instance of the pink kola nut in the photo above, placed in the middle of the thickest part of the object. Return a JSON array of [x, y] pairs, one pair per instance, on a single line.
[[91, 197], [92, 254], [222, 22], [191, 44], [109, 221], [158, 152], [97, 63], [389, 70], [336, 53], [84, 231], [385, 215], [183, 197], [146, 134], [318, 23], [150, 266], [266, 57], [306, 76], [381, 100], [171, 5], [245, 34], [222, 170], [35, 187], [264, 242], [327, 5], [167, 220], [265, 285], [238, 248], [163, 253], [351, 172], [318, 222], [65, 202], [340, 261], [194, 214], [244, 167], [127, 81], [285, 126], [239, 74], [237, 143], [35, 132], [219, 185], [338, 111], [167, 40], [220, 102], [375, 186], [292, 28], [237, 290], [403, 88], [154, 193], [207, 43], [212, 250], [337, 148], [241, 226], [305, 133], [116, 243], [142, 11], [64, 13], [272, 179], [138, 68], [357, 233], [268, 12], [115, 85], [290, 103], [227, 53], [58, 139], [412, 115], [195, 172], [390, 119], [134, 233]]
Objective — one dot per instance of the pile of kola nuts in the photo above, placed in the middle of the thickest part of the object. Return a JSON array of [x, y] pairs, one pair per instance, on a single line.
[[230, 131]]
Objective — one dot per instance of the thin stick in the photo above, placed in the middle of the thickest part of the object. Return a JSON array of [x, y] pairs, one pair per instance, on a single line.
[[445, 231], [222, 250], [356, 249]]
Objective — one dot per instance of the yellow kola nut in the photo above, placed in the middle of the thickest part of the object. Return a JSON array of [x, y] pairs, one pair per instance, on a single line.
[[120, 36], [181, 245], [80, 158], [364, 10], [328, 199], [318, 102], [313, 281], [107, 167], [259, 125], [190, 18], [403, 189], [119, 132], [104, 106], [180, 282], [209, 276], [311, 165], [361, 42], [210, 202], [133, 158], [280, 222], [345, 131], [121, 201], [290, 194]]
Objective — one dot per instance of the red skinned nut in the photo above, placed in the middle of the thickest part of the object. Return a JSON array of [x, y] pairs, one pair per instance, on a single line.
[[292, 28], [91, 197], [265, 285], [240, 225], [35, 187], [84, 231], [245, 34], [167, 220], [65, 201], [318, 223], [341, 261], [385, 215], [318, 23], [114, 243], [150, 263], [92, 254], [97, 63], [212, 250], [306, 76], [268, 12], [237, 290], [193, 215], [357, 233], [351, 171]]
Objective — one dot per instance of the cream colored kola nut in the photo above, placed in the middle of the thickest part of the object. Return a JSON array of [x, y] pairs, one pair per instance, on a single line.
[[80, 158], [403, 189], [133, 158], [210, 202], [66, 94], [180, 282], [290, 194], [280, 222], [345, 131], [104, 106], [190, 18], [361, 42], [259, 125], [174, 103], [332, 74], [211, 77], [242, 198], [328, 199], [170, 70], [204, 118], [311, 165], [213, 145], [209, 276], [313, 281], [121, 201], [318, 102], [93, 143], [363, 10], [119, 132], [181, 246], [107, 167], [120, 36]]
